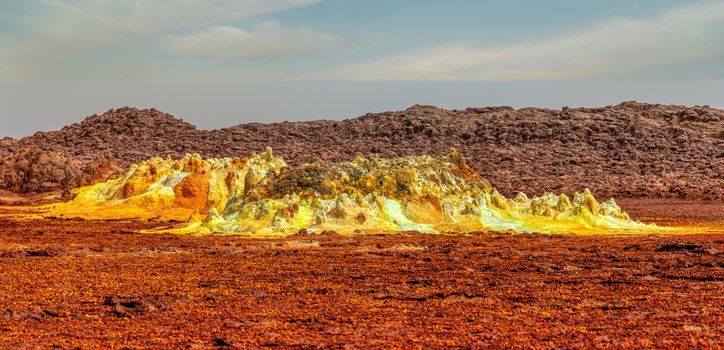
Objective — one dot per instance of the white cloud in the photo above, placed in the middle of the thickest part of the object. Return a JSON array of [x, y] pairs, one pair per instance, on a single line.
[[52, 42], [618, 45], [163, 14], [72, 25], [154, 16], [269, 38]]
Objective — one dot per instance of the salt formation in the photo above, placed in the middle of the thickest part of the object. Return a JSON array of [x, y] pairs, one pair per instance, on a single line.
[[260, 195]]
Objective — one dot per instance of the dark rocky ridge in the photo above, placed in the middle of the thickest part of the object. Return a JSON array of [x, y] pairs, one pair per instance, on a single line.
[[628, 150]]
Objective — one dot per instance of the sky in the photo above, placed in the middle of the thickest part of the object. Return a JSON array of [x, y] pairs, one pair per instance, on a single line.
[[218, 63]]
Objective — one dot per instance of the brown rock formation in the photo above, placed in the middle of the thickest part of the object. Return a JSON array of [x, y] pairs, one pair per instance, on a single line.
[[628, 150]]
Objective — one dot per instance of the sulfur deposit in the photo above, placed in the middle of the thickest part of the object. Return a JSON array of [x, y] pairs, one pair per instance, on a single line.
[[171, 189], [261, 195]]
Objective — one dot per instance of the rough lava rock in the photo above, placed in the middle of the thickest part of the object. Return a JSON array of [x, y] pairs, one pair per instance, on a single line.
[[31, 170], [627, 150]]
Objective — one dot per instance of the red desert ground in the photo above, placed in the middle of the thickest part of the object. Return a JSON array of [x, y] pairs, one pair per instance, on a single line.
[[593, 227]]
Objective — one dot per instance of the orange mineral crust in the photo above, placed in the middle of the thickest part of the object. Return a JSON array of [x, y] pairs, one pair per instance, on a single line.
[[97, 284], [167, 189]]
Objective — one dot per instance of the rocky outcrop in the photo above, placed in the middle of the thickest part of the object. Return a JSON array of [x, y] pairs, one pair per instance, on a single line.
[[33, 170], [36, 171], [628, 150], [420, 193]]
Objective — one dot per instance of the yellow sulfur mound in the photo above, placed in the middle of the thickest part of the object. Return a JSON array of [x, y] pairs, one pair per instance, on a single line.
[[260, 195], [171, 189]]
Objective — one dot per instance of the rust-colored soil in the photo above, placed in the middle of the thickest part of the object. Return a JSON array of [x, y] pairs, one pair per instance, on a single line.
[[70, 283]]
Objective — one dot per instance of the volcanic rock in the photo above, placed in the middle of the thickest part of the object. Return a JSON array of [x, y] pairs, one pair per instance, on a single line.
[[627, 150]]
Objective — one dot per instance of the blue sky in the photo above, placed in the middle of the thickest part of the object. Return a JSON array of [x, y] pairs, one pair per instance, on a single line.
[[132, 45], [360, 40]]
